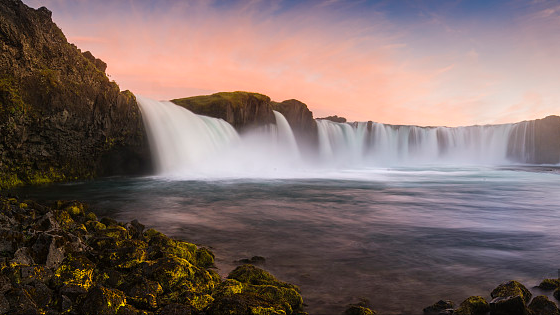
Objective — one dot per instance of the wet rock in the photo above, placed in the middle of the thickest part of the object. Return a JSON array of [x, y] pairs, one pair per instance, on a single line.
[[509, 305], [440, 307], [144, 294], [23, 257], [20, 302], [541, 305], [176, 309], [253, 275], [102, 301], [135, 229], [557, 293], [4, 304], [361, 308], [74, 271], [255, 260], [39, 293], [549, 284], [512, 288], [474, 305]]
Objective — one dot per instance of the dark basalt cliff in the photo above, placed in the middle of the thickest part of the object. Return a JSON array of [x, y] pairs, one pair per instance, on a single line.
[[60, 116], [241, 109]]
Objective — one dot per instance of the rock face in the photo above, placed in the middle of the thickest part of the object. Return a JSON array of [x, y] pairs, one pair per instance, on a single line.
[[242, 110], [107, 267], [542, 141], [60, 116], [335, 119], [301, 120]]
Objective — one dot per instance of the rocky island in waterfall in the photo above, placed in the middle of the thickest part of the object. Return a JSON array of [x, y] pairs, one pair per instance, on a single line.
[[113, 202]]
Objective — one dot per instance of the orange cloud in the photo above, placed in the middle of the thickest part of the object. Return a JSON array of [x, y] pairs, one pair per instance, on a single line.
[[361, 68]]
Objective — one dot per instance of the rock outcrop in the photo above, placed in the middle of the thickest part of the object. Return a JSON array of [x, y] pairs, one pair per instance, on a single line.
[[61, 118], [243, 110]]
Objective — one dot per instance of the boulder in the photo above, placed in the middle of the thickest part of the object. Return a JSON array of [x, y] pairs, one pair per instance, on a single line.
[[440, 307], [541, 305], [102, 301], [512, 288], [549, 284], [474, 305], [509, 305]]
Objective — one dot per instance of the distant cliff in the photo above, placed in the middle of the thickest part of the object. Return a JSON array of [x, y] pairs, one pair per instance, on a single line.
[[535, 141], [60, 116]]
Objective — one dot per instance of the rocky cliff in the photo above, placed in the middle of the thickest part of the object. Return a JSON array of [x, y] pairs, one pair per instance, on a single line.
[[536, 141], [60, 116], [242, 110]]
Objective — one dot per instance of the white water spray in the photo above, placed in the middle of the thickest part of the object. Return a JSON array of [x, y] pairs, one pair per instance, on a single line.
[[189, 145]]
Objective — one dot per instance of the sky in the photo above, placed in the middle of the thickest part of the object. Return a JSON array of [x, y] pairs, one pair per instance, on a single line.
[[448, 63]]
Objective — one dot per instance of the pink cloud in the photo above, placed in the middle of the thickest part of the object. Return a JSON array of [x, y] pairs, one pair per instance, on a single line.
[[364, 69]]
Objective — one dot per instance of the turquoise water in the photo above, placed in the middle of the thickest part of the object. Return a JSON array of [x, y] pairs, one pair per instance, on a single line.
[[402, 238]]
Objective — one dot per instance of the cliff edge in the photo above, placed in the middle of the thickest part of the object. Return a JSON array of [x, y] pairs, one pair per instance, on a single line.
[[61, 117]]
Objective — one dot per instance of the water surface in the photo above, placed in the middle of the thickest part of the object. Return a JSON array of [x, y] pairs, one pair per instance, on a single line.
[[402, 237]]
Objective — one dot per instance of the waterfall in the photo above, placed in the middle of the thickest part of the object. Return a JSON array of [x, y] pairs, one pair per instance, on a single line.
[[181, 139], [376, 144], [187, 145]]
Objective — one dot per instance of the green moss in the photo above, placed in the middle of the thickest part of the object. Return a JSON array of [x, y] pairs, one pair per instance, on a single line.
[[64, 219], [9, 181], [11, 101], [94, 226], [75, 271], [219, 104], [204, 257], [549, 284], [259, 310], [512, 288], [474, 305]]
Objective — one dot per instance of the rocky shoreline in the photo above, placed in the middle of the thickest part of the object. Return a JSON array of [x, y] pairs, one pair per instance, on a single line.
[[62, 259]]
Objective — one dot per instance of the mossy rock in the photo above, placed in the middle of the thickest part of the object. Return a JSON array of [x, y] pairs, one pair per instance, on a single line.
[[169, 271], [241, 304], [358, 310], [250, 274], [474, 305], [509, 305], [557, 294], [125, 254], [541, 305], [94, 226], [75, 270], [259, 289], [549, 284], [512, 288], [144, 294], [438, 307], [102, 301], [204, 258]]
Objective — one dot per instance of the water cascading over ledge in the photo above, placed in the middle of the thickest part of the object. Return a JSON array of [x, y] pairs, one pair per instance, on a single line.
[[185, 143], [369, 143]]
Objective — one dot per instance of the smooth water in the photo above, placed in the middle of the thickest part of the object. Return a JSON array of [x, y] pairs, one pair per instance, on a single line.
[[401, 237]]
